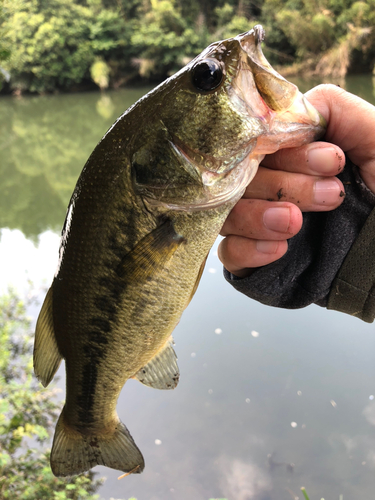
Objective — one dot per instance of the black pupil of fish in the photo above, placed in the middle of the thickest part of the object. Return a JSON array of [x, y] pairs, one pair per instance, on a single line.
[[207, 75]]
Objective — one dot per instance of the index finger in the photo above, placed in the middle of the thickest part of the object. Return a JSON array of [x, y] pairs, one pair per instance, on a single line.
[[317, 158], [351, 122]]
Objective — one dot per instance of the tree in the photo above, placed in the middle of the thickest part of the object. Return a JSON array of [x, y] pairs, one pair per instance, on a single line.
[[4, 49], [164, 40], [55, 42], [50, 43]]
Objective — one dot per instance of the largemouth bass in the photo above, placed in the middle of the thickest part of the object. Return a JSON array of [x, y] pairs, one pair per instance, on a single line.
[[145, 212]]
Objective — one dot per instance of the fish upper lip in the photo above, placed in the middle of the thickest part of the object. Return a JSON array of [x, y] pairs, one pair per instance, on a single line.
[[250, 42], [296, 110]]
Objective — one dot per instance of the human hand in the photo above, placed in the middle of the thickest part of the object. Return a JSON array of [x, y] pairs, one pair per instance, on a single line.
[[351, 125], [302, 178]]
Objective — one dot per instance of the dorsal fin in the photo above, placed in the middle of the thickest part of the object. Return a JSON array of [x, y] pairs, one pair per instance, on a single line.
[[162, 371], [47, 358]]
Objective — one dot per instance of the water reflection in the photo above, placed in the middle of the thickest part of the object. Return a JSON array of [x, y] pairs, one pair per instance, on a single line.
[[253, 416], [45, 141], [369, 413], [243, 480]]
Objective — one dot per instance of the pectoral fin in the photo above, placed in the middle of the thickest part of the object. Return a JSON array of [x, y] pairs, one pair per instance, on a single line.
[[47, 358], [162, 371], [151, 253]]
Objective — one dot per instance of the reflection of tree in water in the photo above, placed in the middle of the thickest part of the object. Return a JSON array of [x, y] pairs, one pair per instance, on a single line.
[[44, 143]]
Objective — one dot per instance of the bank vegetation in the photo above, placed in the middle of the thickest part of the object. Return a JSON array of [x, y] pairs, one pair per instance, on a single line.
[[54, 45]]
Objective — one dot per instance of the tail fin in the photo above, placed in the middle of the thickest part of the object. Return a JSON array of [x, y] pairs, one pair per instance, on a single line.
[[73, 453]]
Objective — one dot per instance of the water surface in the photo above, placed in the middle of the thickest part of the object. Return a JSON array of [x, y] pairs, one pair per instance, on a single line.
[[268, 400]]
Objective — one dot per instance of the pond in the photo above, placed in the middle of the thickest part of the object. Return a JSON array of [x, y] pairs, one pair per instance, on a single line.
[[268, 400]]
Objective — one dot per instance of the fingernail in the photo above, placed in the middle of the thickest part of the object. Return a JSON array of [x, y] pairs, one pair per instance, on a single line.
[[326, 192], [264, 246], [323, 159], [277, 219]]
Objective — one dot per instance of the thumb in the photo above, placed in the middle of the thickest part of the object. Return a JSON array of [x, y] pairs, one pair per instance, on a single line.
[[351, 126]]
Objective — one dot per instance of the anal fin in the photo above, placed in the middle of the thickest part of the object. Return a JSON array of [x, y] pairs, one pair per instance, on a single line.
[[47, 358], [162, 371]]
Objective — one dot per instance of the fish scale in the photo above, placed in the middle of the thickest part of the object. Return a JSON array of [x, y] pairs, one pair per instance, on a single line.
[[146, 210]]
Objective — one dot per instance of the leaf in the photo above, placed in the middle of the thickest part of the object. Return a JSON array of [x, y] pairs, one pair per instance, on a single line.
[[304, 493]]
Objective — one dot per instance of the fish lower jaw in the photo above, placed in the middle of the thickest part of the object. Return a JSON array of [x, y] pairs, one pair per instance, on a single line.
[[228, 189]]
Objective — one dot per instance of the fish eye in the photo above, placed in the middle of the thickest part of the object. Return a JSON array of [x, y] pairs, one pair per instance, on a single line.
[[207, 74]]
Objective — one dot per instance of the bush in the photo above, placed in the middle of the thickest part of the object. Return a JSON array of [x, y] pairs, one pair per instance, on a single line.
[[27, 417]]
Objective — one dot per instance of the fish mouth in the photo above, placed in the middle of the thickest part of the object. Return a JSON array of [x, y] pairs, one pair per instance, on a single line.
[[276, 92], [273, 99]]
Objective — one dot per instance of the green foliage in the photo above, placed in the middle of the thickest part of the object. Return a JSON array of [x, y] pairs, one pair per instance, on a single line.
[[309, 35], [110, 38], [360, 14], [100, 73], [164, 41], [4, 48], [224, 14], [238, 24], [27, 417], [332, 30], [52, 45]]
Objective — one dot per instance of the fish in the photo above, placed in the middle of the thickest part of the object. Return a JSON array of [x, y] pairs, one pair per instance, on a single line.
[[146, 209]]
